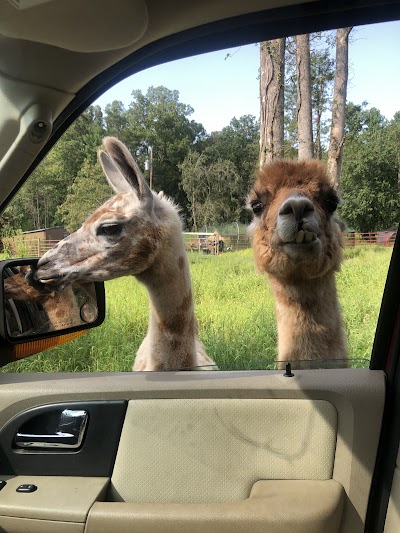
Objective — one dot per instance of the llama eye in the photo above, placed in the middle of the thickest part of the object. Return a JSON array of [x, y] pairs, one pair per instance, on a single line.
[[109, 230], [331, 203], [257, 207]]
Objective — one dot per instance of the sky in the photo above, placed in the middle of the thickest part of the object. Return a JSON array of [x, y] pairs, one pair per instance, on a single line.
[[222, 85]]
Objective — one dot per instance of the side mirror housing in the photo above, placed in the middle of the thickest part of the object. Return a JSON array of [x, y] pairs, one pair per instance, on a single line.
[[35, 317]]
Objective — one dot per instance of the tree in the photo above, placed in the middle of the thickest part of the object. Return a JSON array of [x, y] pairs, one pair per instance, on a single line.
[[116, 120], [335, 151], [272, 99], [304, 111], [212, 189], [369, 180], [237, 143], [88, 192], [158, 119], [322, 75]]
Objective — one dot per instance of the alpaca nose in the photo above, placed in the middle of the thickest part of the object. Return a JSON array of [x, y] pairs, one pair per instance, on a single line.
[[298, 206]]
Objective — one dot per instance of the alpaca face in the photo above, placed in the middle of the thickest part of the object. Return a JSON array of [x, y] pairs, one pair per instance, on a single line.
[[122, 237], [295, 234]]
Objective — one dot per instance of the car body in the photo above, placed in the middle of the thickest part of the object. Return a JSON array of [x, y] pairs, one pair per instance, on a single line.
[[182, 451]]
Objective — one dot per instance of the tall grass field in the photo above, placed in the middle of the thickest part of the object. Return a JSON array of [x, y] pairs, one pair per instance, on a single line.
[[235, 311]]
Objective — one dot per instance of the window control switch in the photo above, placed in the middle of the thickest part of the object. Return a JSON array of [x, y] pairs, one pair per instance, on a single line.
[[27, 488]]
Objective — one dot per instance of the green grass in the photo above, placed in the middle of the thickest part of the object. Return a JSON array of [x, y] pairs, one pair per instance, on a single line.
[[235, 311]]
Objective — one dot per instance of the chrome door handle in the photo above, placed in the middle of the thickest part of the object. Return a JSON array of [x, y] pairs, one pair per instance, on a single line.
[[69, 433]]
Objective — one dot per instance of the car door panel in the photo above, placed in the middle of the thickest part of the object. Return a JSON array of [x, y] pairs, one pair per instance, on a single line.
[[95, 456], [225, 445], [57, 499], [243, 429], [277, 506], [11, 524]]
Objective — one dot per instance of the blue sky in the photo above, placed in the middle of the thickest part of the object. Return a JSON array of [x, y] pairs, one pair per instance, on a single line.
[[220, 87]]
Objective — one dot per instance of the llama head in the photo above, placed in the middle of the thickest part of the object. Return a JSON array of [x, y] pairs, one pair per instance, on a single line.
[[122, 237], [294, 231]]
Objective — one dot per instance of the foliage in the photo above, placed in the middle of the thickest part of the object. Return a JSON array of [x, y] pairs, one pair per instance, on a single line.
[[212, 189], [89, 190], [370, 173], [239, 144], [10, 221], [322, 75], [158, 119]]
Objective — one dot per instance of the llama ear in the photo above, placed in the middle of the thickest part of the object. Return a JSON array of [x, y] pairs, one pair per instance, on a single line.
[[114, 177], [128, 169]]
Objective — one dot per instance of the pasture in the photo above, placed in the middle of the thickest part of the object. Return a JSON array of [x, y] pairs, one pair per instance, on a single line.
[[235, 311]]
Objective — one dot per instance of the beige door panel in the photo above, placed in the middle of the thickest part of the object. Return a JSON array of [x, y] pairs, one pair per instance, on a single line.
[[10, 524], [214, 450], [354, 399], [273, 506], [60, 500]]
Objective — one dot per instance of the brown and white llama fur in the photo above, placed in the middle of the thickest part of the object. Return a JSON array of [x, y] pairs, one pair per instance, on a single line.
[[139, 233], [61, 308], [297, 242]]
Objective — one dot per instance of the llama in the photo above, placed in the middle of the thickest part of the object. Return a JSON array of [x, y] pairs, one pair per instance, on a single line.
[[61, 308], [136, 232], [297, 241]]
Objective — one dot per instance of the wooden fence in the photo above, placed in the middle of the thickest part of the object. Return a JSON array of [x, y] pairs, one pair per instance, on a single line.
[[19, 247], [232, 242], [201, 242], [380, 238]]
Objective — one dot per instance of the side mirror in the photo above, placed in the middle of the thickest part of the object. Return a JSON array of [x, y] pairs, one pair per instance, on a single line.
[[35, 317]]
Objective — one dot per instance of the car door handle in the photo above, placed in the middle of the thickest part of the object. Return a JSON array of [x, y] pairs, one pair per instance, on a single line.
[[68, 434]]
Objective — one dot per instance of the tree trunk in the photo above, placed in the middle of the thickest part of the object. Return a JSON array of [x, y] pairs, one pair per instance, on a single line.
[[304, 110], [335, 151], [272, 74]]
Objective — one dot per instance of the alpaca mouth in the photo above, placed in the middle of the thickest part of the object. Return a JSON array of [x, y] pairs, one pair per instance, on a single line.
[[304, 237], [301, 238], [54, 280]]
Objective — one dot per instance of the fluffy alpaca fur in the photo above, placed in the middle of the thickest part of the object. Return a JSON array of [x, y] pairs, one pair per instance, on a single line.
[[297, 242]]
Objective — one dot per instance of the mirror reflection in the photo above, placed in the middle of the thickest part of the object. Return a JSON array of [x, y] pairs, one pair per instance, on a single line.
[[35, 308]]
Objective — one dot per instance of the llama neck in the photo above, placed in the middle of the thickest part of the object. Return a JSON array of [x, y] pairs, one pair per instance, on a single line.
[[309, 319], [171, 338]]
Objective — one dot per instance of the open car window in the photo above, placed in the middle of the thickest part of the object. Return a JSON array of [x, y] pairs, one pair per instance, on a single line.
[[193, 127]]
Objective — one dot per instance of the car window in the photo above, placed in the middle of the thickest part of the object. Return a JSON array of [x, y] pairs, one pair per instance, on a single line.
[[193, 126]]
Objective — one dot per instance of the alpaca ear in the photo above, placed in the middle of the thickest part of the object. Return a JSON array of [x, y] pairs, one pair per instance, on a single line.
[[127, 170], [114, 177]]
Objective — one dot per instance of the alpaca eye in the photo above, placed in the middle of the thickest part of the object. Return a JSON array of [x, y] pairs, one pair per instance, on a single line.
[[257, 207], [331, 203], [109, 230]]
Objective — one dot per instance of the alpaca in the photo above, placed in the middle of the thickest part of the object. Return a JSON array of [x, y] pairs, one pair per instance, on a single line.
[[139, 233], [61, 308], [297, 241]]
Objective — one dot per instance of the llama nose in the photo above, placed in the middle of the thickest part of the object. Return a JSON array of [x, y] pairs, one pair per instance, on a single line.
[[298, 206]]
